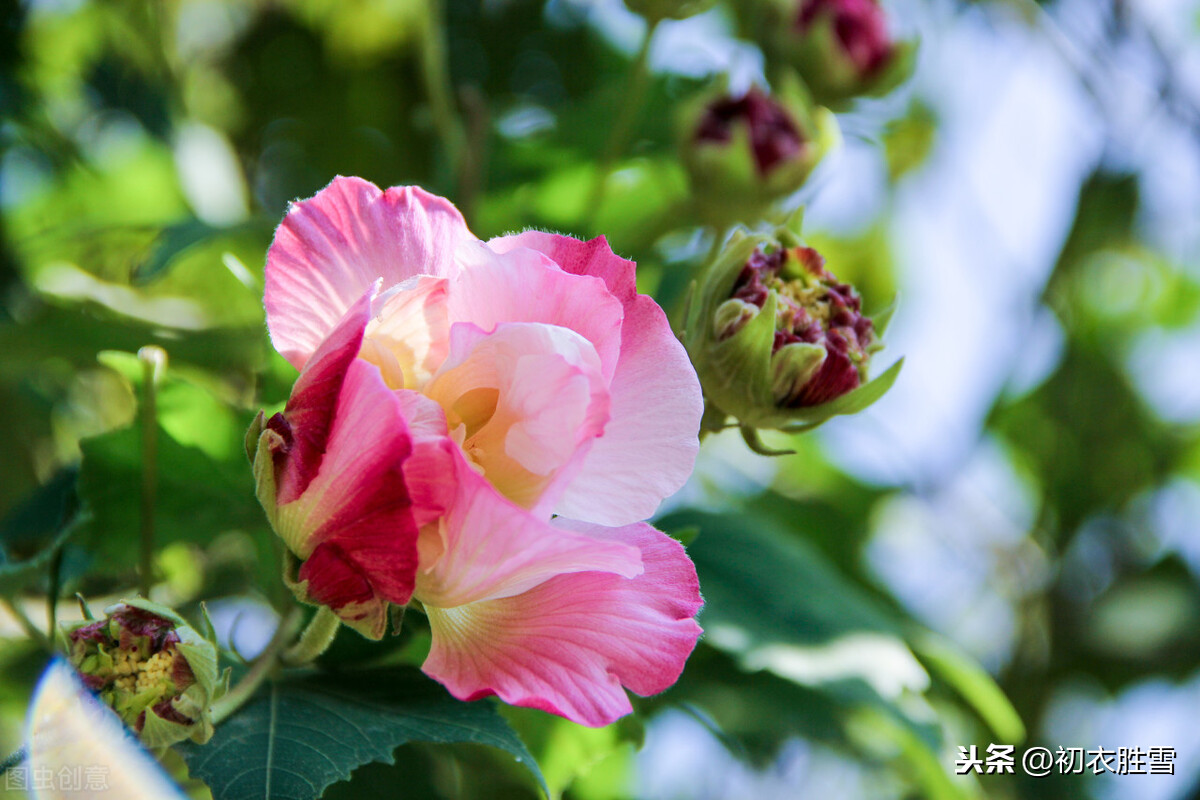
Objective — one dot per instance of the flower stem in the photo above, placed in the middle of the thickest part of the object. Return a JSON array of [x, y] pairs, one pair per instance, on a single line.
[[622, 129], [154, 362], [315, 639], [54, 591], [31, 630], [442, 106], [260, 670]]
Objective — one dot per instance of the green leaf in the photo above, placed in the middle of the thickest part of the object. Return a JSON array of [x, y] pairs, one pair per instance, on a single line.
[[33, 531], [567, 751], [973, 684], [909, 140], [198, 496], [685, 535], [771, 586], [778, 607], [76, 336], [171, 242], [298, 737]]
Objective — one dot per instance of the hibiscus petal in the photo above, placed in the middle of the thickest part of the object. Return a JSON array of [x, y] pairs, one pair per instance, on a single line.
[[522, 286], [307, 420], [360, 498], [526, 399], [332, 247], [650, 443], [569, 644], [408, 336], [429, 472], [487, 547], [338, 455]]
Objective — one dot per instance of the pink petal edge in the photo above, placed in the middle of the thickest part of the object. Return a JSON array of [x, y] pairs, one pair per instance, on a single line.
[[342, 453], [650, 444], [568, 645], [487, 547], [332, 247]]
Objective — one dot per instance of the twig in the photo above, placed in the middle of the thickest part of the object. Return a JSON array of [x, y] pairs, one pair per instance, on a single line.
[[31, 630], [260, 670], [622, 129], [154, 361]]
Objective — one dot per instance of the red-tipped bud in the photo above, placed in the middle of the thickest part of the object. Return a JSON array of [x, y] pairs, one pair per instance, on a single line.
[[822, 342], [744, 151], [778, 340], [774, 137], [859, 26], [841, 48]]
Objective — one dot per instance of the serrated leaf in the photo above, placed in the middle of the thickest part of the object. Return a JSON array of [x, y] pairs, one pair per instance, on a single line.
[[296, 738]]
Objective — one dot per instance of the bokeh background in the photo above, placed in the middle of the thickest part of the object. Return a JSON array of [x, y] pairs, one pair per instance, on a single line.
[[1025, 501]]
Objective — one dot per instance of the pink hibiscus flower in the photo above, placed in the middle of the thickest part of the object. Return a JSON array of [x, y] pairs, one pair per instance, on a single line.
[[482, 426]]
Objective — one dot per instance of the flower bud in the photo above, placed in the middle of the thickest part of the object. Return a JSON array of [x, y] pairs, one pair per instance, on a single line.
[[841, 48], [655, 10], [745, 151], [778, 341], [146, 663]]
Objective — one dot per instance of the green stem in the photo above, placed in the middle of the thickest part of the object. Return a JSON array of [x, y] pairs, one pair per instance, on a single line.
[[31, 630], [154, 361], [315, 639], [54, 592], [622, 129], [713, 420], [260, 670], [440, 93]]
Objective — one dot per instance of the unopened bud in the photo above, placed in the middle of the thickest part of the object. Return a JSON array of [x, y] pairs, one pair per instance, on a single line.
[[841, 48], [792, 367], [778, 340], [818, 321], [744, 151], [859, 27], [146, 663]]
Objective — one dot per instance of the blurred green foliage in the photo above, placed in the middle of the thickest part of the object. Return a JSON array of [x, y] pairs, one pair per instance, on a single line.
[[148, 149]]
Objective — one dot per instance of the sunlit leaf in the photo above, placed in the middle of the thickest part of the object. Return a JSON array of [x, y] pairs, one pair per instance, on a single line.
[[197, 496], [974, 684]]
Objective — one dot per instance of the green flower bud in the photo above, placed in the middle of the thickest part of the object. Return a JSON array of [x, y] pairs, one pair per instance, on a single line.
[[743, 152], [841, 48], [655, 10], [778, 341], [146, 663]]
